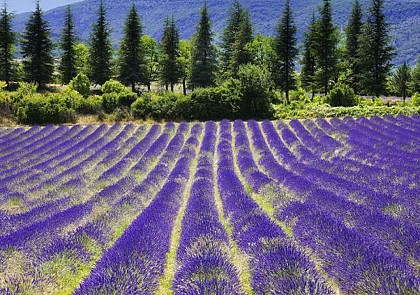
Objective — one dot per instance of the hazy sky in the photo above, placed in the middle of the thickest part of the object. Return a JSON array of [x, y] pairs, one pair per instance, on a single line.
[[18, 6]]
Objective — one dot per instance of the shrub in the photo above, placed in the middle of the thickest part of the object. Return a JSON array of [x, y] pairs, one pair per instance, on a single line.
[[81, 84], [110, 102], [215, 103], [45, 109], [415, 99], [342, 95], [140, 108], [298, 95], [91, 105], [126, 99], [256, 97], [112, 86]]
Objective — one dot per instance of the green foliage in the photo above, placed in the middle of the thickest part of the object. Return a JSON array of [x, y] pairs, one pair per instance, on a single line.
[[112, 86], [216, 103], [400, 80], [100, 52], [286, 52], [240, 55], [203, 59], [170, 69], [256, 95], [81, 53], [67, 67], [132, 64], [262, 51], [352, 46], [91, 105], [342, 95], [45, 109], [151, 55], [230, 33], [157, 107], [38, 61], [184, 62], [375, 51], [415, 99], [8, 40], [299, 95], [81, 84], [308, 61], [325, 48]]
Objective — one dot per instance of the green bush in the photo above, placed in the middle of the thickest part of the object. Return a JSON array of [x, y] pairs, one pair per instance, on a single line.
[[215, 103], [140, 108], [126, 99], [256, 96], [298, 95], [81, 84], [110, 102], [342, 95], [415, 99], [45, 109], [112, 86], [91, 105]]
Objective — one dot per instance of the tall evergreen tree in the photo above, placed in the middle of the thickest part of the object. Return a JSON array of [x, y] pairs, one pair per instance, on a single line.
[[401, 80], [240, 55], [229, 36], [37, 49], [68, 67], [353, 34], [286, 50], [171, 72], [7, 43], [132, 60], [326, 41], [100, 51], [308, 62], [203, 59], [375, 51]]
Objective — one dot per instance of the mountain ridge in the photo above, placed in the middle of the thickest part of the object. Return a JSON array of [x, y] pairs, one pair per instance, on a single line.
[[403, 15]]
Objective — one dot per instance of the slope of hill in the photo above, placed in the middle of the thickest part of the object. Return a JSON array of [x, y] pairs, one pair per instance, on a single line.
[[404, 15]]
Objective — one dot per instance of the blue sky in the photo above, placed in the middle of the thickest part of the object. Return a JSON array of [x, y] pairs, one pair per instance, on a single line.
[[19, 6]]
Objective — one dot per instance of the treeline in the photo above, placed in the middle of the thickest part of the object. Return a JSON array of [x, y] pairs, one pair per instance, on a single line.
[[241, 75]]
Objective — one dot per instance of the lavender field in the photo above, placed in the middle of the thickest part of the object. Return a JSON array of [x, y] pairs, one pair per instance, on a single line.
[[284, 207]]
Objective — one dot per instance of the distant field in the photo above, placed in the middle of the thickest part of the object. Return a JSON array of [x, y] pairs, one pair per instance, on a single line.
[[275, 207]]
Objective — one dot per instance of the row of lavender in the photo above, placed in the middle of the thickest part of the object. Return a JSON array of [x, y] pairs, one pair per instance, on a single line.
[[105, 200]]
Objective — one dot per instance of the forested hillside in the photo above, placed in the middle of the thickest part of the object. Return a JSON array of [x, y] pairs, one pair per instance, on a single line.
[[404, 16]]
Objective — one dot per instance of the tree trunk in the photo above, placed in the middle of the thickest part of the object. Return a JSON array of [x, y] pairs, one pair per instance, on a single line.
[[133, 87], [172, 87], [184, 85], [148, 86]]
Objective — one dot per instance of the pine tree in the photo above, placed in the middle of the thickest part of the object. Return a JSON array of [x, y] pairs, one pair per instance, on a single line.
[[100, 51], [229, 36], [241, 56], [37, 49], [308, 62], [353, 34], [170, 53], [326, 41], [203, 60], [375, 51], [7, 43], [286, 50], [68, 67], [132, 60], [401, 80]]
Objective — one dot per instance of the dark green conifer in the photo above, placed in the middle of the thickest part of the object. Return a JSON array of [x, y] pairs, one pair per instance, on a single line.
[[203, 59], [132, 60], [229, 36], [68, 67], [353, 35], [170, 72], [37, 49], [376, 53], [100, 51], [326, 41], [286, 51], [308, 62], [7, 43], [240, 55]]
